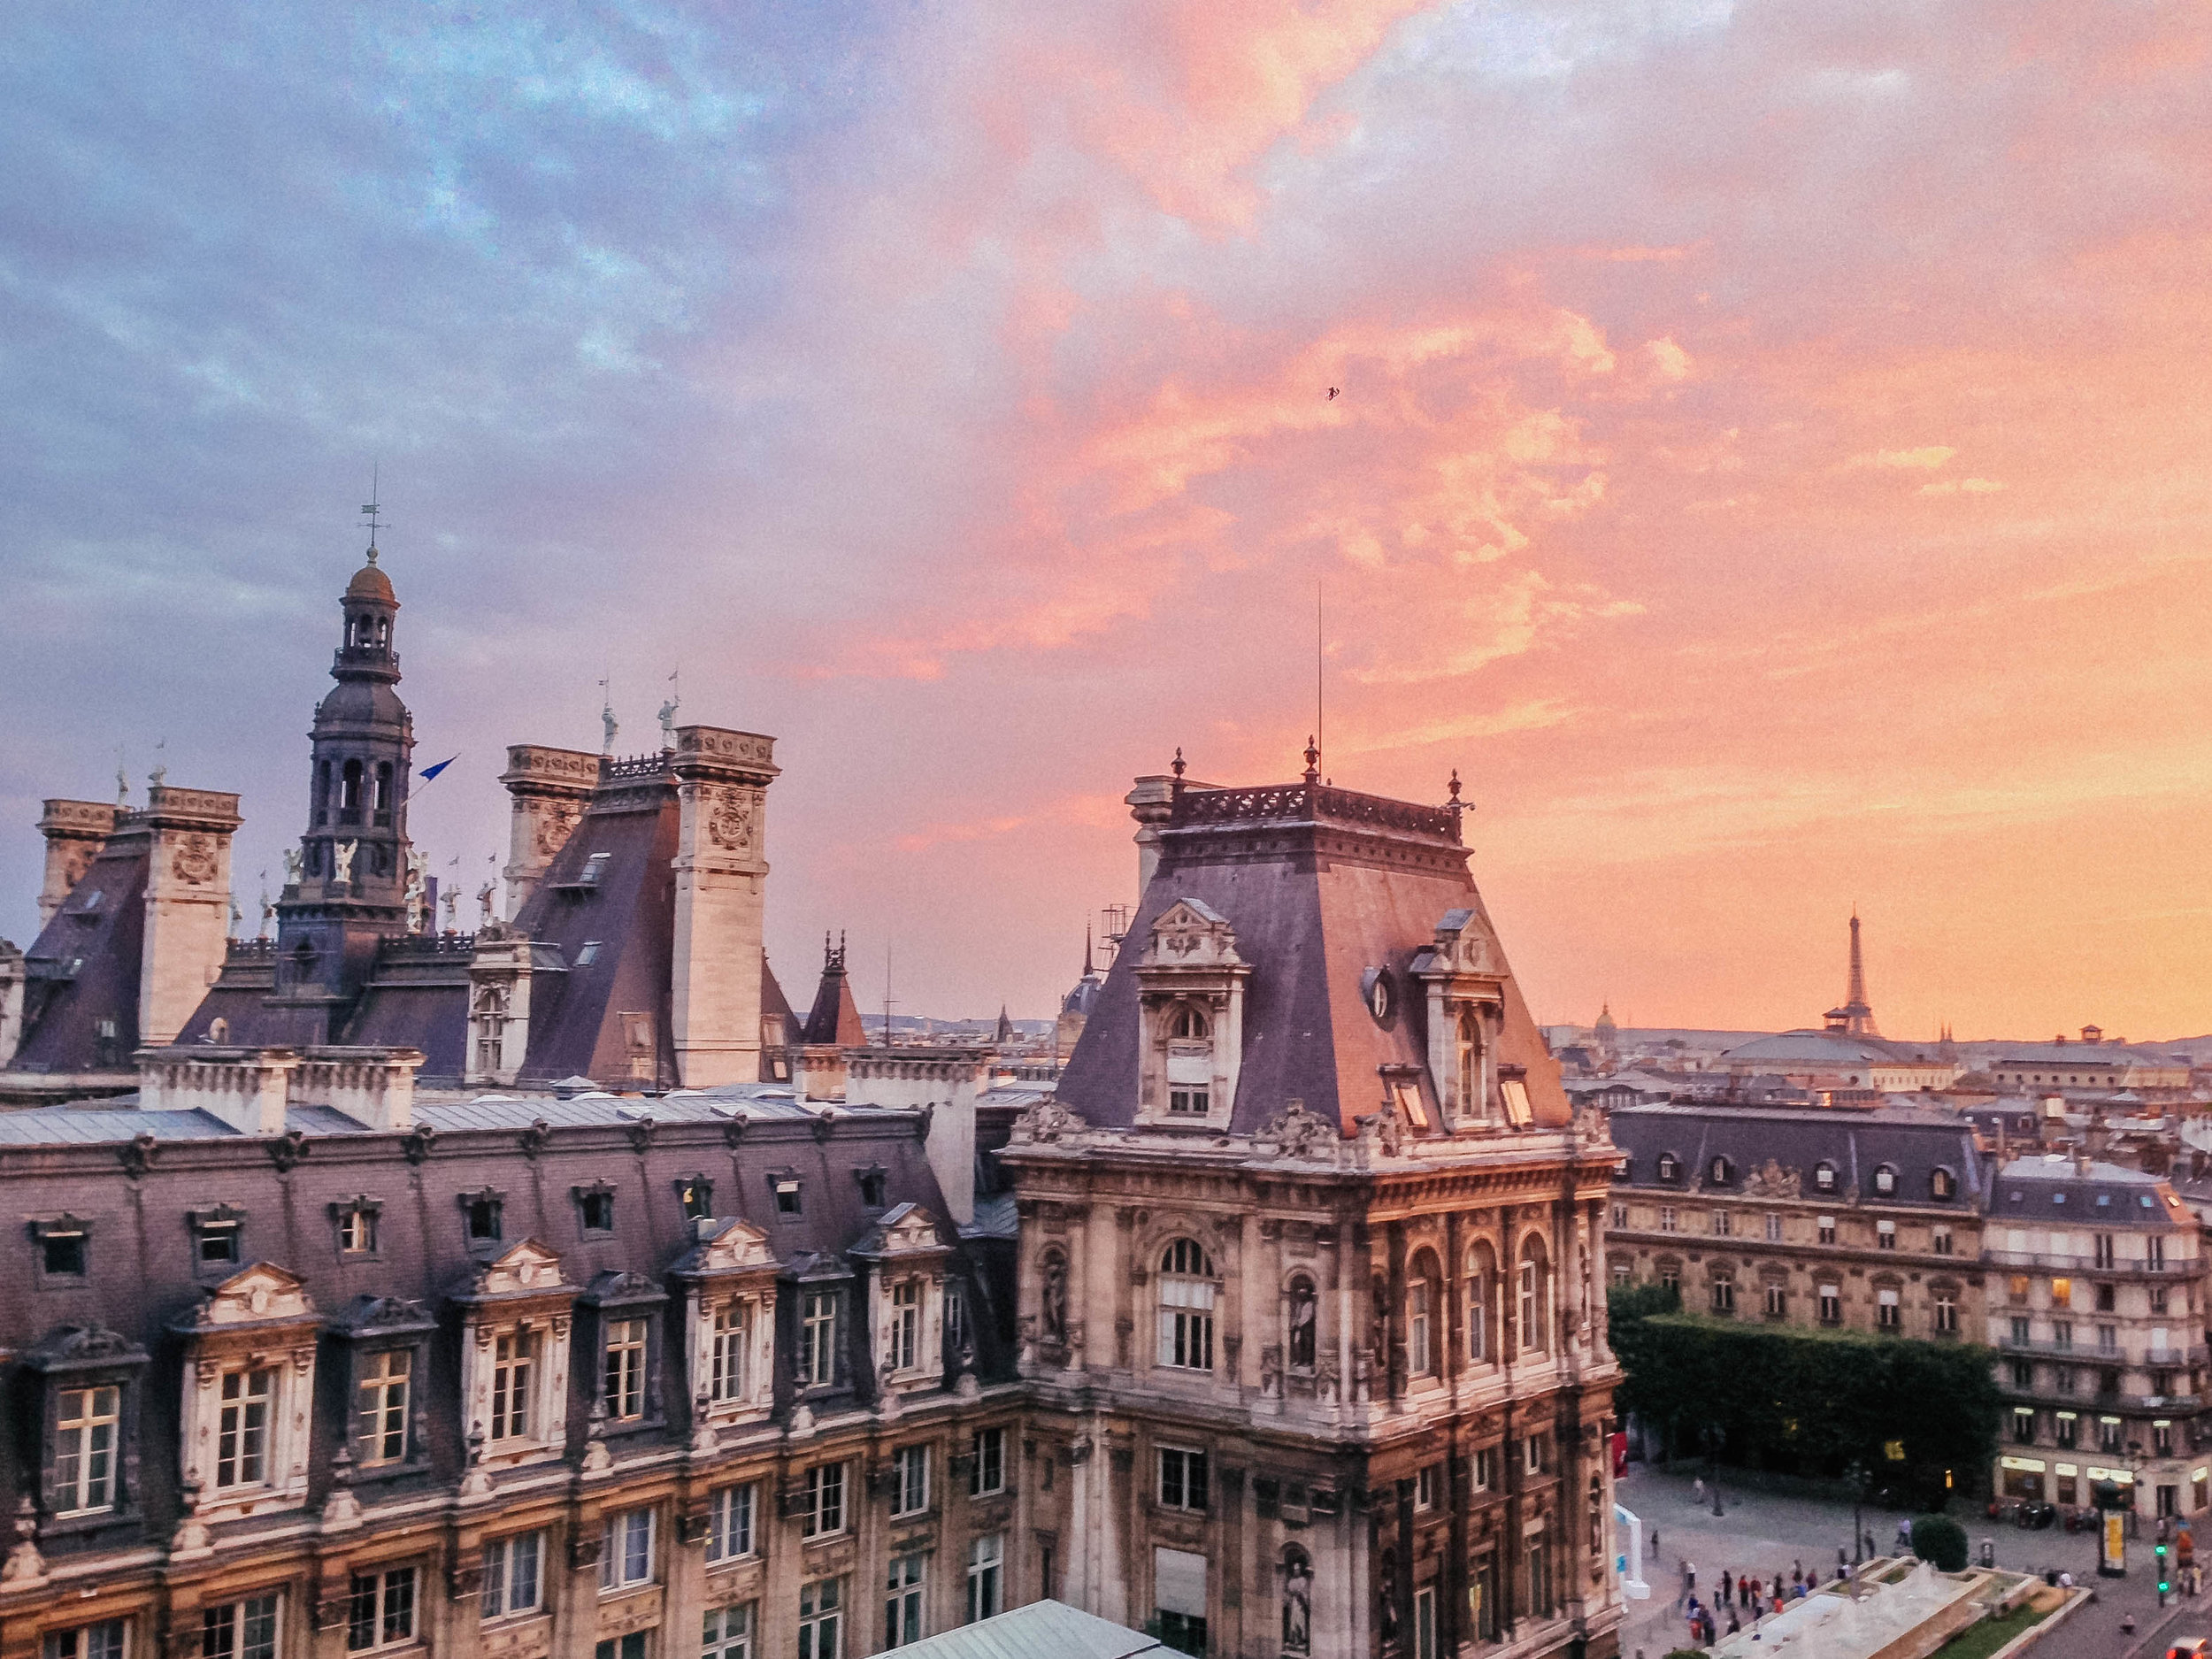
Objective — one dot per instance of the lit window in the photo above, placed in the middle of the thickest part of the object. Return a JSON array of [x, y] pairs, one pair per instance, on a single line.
[[513, 1575], [381, 1406], [357, 1230], [624, 1373], [730, 1522]]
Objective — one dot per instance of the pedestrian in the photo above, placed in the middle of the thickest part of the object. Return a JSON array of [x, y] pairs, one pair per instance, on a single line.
[[1697, 1489], [1726, 1587], [1689, 1576], [1735, 1624], [1654, 1543]]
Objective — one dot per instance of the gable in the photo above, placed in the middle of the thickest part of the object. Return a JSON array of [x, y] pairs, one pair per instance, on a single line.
[[527, 1266], [254, 1296]]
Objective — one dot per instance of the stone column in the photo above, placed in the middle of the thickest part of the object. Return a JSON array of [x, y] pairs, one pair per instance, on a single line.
[[550, 787], [188, 905], [721, 881], [74, 830]]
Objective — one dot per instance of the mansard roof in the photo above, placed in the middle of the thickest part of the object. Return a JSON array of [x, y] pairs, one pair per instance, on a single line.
[[80, 1002], [1322, 886], [1913, 1144]]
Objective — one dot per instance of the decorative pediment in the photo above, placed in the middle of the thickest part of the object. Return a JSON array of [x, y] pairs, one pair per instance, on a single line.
[[523, 1269], [1047, 1122], [383, 1315], [1463, 945], [615, 1288], [905, 1230], [75, 1346], [1298, 1133], [738, 1247], [1189, 935], [1772, 1180], [255, 1295]]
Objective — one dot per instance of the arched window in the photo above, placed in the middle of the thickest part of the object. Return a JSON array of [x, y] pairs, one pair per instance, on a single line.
[[1670, 1167], [1942, 1184], [322, 791], [349, 792], [1535, 1297], [1421, 1309], [1721, 1172], [1886, 1179], [383, 800], [1481, 1269], [1301, 1316], [1824, 1175], [1190, 1062], [1187, 1307], [1469, 1065]]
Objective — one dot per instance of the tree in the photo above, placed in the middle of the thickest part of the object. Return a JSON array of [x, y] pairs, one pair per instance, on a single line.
[[1939, 1541]]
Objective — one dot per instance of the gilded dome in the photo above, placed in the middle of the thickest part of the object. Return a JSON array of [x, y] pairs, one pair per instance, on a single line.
[[368, 582]]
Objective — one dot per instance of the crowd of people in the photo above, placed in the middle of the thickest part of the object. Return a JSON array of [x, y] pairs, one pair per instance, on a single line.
[[1737, 1599]]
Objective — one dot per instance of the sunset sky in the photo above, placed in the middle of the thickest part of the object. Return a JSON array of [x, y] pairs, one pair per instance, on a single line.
[[1773, 462]]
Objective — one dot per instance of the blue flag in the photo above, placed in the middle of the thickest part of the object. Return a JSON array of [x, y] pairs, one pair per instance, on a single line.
[[428, 772]]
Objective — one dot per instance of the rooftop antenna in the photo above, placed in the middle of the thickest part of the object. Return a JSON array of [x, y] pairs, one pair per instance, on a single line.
[[1320, 725], [886, 993], [372, 510]]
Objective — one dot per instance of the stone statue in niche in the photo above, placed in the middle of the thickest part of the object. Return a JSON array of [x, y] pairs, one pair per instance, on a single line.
[[1387, 1581], [341, 862], [1055, 1299], [1297, 1605], [1304, 1310]]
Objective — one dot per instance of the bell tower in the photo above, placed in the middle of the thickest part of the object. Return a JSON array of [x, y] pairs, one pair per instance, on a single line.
[[346, 887]]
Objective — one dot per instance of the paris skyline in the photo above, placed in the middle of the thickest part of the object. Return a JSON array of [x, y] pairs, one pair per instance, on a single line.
[[1766, 462]]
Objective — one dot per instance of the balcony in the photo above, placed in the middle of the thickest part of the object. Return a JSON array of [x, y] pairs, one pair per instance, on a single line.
[[2085, 1263], [2144, 1359]]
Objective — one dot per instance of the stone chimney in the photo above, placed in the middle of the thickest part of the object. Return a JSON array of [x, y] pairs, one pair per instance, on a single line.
[[943, 1082], [247, 1089], [188, 905], [550, 787], [375, 1086], [73, 832], [721, 872], [499, 1008]]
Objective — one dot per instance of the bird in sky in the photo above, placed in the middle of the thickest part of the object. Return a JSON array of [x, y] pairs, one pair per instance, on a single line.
[[1334, 390]]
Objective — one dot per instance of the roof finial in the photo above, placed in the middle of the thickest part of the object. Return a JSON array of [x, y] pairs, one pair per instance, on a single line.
[[1313, 760], [372, 510], [1175, 789], [1087, 944]]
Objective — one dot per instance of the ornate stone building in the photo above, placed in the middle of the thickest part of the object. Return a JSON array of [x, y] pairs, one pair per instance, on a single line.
[[1310, 1319]]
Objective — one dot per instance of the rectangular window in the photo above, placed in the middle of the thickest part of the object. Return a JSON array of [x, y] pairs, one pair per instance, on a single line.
[[1774, 1229], [514, 1366], [986, 1559], [1723, 1224], [1620, 1215], [1484, 1594], [381, 1406], [1424, 1486], [630, 1647], [2020, 1329], [903, 1593], [2062, 1334], [1532, 1454], [242, 1441], [514, 1572], [1182, 1478], [1540, 1590], [821, 1619], [2155, 1254], [1420, 1315], [904, 1335], [733, 1334], [1424, 1623], [1946, 1312], [1884, 1234], [2023, 1426], [2108, 1339], [1832, 1304], [910, 1480], [624, 1372], [1485, 1469], [86, 1421], [730, 1522], [626, 1549], [728, 1632], [2068, 1430], [2108, 1434], [2022, 1375], [1667, 1219], [1827, 1224], [356, 1232], [818, 1339], [1778, 1302], [1888, 1313], [2104, 1250], [381, 1610], [240, 1630], [217, 1243], [63, 1255], [103, 1641], [986, 1466], [825, 1501], [2161, 1439], [1939, 1240], [1724, 1295], [956, 1315]]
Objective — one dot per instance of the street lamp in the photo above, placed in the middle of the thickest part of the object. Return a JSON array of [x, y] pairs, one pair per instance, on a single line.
[[1856, 1475], [1714, 1436]]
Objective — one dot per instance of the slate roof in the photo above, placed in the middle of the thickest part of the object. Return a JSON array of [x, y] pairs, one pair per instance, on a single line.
[[2050, 1188], [1914, 1143], [1042, 1629], [83, 967], [1321, 885], [1823, 1048]]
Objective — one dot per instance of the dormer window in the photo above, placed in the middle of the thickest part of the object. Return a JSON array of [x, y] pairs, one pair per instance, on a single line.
[[1720, 1172], [872, 1187], [356, 1219], [1942, 1184], [64, 1248], [594, 1208], [480, 1214], [587, 953], [1670, 1167], [1824, 1177], [215, 1238], [594, 869], [1190, 1063], [1886, 1179], [695, 1194], [787, 1191]]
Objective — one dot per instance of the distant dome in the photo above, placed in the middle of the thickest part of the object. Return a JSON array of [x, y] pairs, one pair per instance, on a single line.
[[368, 582], [1812, 1047], [1079, 1000]]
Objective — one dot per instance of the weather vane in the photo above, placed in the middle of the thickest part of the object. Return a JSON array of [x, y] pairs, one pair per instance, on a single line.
[[371, 509]]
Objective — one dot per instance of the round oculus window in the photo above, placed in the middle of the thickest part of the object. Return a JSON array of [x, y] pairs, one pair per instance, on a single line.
[[1380, 1001]]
